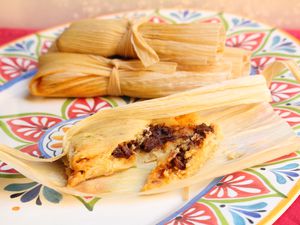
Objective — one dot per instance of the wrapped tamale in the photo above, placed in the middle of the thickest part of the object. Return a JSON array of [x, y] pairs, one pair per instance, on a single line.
[[186, 44], [79, 75]]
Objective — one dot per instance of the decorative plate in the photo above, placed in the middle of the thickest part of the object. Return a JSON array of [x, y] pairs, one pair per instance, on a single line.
[[256, 195]]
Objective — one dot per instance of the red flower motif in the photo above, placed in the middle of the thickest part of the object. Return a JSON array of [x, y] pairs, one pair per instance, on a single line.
[[211, 20], [31, 128], [292, 118], [31, 150], [4, 168], [46, 45], [248, 41], [282, 91], [12, 67], [86, 106], [291, 155], [157, 19], [259, 63], [236, 185], [198, 213]]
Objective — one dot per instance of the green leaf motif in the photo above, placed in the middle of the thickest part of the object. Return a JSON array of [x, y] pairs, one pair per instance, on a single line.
[[2, 81], [221, 16], [64, 108], [20, 187], [216, 210], [112, 101], [89, 205], [28, 114], [52, 195], [15, 175], [32, 191], [264, 43], [39, 44]]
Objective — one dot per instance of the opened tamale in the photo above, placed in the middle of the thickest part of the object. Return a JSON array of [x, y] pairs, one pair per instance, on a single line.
[[187, 44], [181, 144]]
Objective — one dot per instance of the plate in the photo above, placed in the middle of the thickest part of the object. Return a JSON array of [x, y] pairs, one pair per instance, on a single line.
[[256, 195]]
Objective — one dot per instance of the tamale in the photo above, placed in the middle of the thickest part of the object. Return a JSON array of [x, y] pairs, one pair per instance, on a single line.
[[187, 44], [80, 75], [94, 152]]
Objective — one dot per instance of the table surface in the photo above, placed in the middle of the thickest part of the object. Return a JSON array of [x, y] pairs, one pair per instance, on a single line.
[[290, 217]]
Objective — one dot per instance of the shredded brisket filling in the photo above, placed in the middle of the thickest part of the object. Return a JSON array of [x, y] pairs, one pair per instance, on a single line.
[[158, 135], [179, 160], [122, 151]]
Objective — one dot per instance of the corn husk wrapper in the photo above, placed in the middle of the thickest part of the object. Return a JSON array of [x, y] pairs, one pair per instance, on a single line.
[[80, 75], [187, 44], [250, 128], [278, 66], [239, 59]]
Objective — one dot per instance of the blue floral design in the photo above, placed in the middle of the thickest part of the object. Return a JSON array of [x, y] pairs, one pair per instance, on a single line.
[[282, 44], [31, 191], [285, 173], [254, 70], [185, 15], [21, 47], [243, 23], [243, 214]]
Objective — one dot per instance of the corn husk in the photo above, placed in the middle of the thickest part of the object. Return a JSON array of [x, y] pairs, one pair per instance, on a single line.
[[278, 66], [250, 128], [194, 43], [239, 59], [80, 75]]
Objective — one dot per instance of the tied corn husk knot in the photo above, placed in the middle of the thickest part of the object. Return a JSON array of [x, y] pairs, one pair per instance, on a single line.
[[69, 75], [115, 37], [125, 48], [114, 88], [187, 44]]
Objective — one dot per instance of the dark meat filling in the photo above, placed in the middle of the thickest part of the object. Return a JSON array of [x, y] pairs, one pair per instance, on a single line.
[[202, 129], [179, 160], [158, 135], [124, 150]]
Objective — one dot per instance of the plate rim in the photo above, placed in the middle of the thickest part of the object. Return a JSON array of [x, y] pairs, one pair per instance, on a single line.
[[284, 203]]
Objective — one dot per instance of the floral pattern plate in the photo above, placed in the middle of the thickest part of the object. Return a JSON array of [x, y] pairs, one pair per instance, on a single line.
[[256, 195]]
